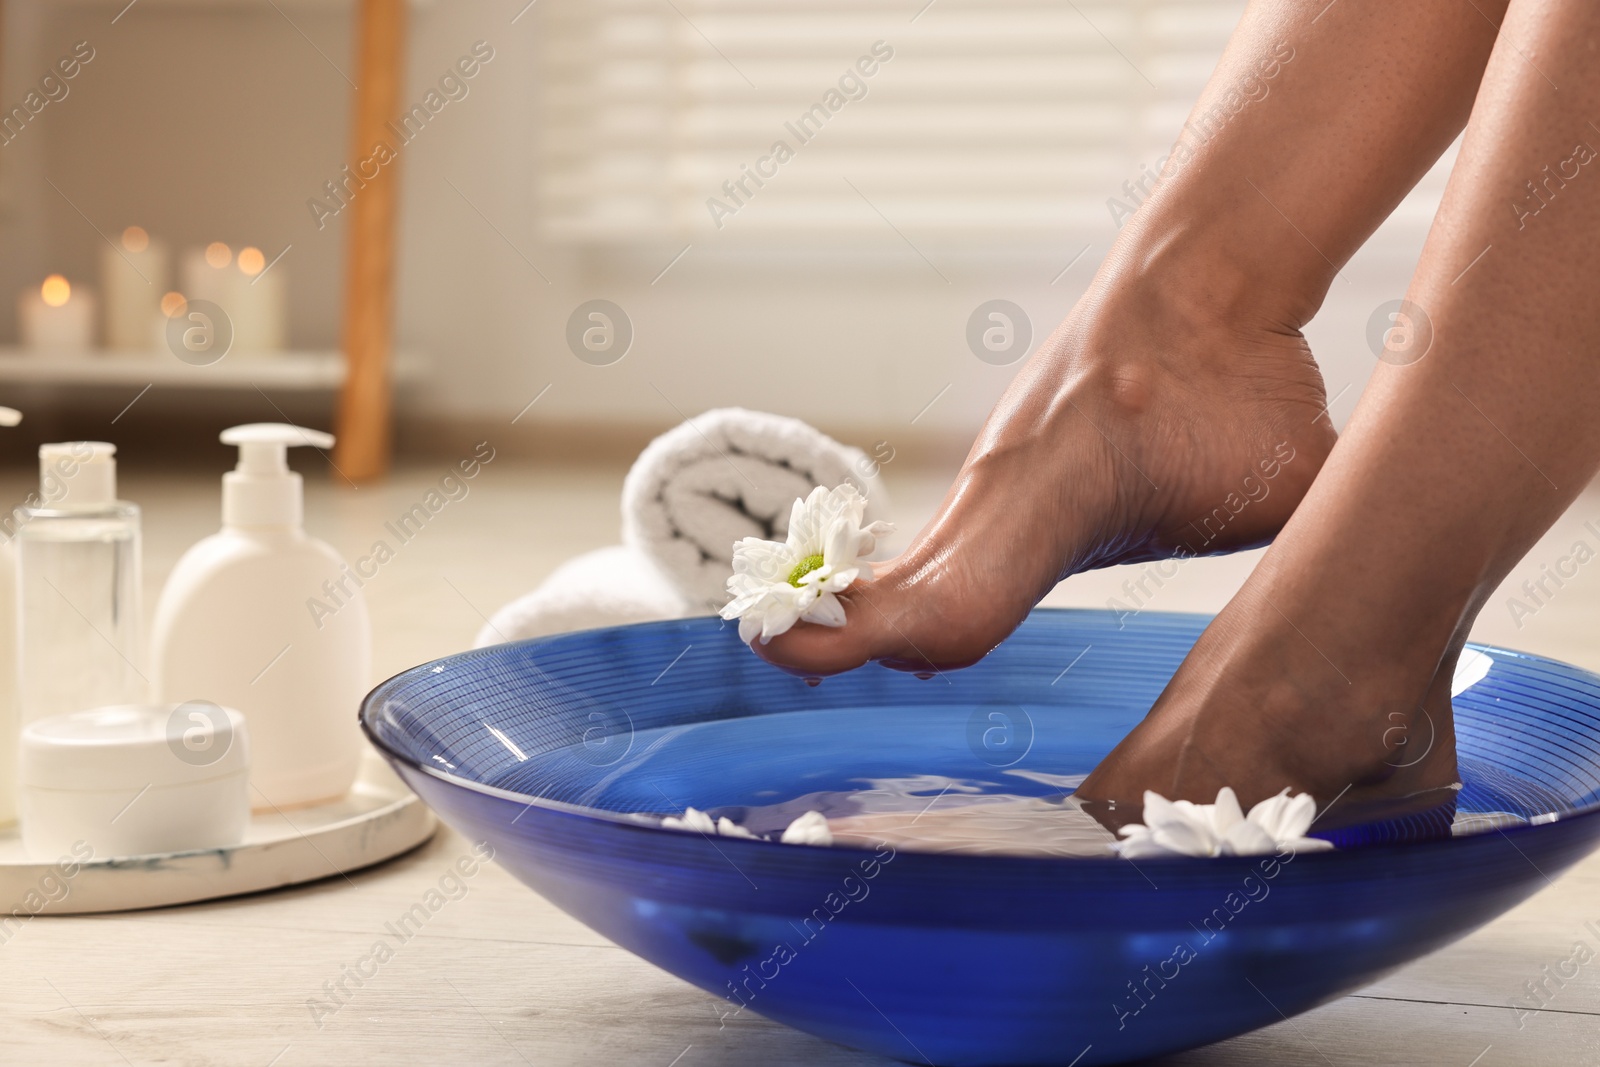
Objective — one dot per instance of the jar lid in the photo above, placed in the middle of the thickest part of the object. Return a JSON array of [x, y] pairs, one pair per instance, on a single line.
[[131, 746]]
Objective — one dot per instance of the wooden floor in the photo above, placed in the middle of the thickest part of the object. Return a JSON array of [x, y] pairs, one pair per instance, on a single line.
[[500, 977]]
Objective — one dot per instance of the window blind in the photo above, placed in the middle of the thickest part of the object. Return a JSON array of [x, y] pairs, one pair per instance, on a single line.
[[994, 120]]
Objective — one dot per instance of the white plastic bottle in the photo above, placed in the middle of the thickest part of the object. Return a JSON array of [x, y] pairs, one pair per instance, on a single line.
[[236, 626], [10, 722]]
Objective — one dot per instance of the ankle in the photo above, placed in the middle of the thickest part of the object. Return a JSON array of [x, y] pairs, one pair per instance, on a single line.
[[1332, 720], [1196, 260], [1327, 626], [1141, 329]]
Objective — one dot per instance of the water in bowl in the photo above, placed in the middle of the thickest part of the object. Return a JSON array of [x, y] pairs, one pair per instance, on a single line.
[[970, 778]]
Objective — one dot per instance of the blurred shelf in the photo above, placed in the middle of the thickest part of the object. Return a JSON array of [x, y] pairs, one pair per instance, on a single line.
[[366, 408], [115, 5], [304, 371]]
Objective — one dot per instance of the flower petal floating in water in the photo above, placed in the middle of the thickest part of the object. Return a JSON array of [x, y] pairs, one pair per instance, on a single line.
[[809, 829], [1182, 828], [693, 820], [775, 585], [726, 827], [696, 821]]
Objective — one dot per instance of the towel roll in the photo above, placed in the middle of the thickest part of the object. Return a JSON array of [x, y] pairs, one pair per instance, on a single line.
[[606, 587], [723, 475]]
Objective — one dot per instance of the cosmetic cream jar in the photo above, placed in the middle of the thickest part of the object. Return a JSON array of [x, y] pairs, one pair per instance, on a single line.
[[135, 780]]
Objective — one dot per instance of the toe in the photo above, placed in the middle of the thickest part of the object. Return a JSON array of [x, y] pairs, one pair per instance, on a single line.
[[908, 627], [813, 650]]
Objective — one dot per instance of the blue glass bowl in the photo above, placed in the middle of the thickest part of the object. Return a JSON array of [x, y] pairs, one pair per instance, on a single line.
[[561, 751]]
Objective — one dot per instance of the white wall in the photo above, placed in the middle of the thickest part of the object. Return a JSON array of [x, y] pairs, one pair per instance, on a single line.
[[220, 122]]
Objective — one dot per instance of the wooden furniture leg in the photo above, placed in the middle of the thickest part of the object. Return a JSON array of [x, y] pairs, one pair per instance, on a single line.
[[365, 402]]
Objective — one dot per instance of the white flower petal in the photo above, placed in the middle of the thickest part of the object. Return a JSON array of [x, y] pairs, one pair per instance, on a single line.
[[693, 820], [807, 523], [871, 535], [1245, 838], [1140, 845], [764, 561], [1187, 840], [726, 827], [744, 599], [779, 619], [827, 610], [1159, 811], [1268, 814], [809, 829], [838, 581], [819, 577], [1285, 817], [1305, 844], [839, 543], [1226, 813], [1301, 813]]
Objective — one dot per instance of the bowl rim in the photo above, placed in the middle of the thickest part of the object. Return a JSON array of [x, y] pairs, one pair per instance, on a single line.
[[639, 821]]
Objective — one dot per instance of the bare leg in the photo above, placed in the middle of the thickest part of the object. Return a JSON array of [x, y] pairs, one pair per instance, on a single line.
[[1342, 643], [1182, 378]]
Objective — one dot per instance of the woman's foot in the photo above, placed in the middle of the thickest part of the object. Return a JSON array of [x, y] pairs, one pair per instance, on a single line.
[[1266, 702], [1142, 429]]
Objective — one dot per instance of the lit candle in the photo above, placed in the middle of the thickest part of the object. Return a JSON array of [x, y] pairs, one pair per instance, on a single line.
[[256, 303], [205, 274], [132, 277], [172, 305], [252, 296], [55, 317]]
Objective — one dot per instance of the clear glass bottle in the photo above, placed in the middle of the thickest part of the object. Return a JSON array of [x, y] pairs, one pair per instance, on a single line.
[[79, 640]]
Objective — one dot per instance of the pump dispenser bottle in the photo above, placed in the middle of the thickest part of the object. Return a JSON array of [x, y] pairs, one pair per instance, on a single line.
[[243, 623], [78, 600]]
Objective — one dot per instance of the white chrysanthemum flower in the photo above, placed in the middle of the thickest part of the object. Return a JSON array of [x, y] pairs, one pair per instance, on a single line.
[[1182, 828], [777, 585]]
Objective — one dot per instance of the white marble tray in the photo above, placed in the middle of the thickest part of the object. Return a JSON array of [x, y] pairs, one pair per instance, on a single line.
[[378, 819]]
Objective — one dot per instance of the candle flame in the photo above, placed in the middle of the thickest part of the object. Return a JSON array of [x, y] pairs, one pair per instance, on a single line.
[[251, 261], [218, 254], [55, 291], [173, 304], [134, 239]]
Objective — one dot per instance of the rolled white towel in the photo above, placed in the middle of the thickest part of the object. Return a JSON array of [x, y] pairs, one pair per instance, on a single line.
[[727, 474], [607, 587]]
